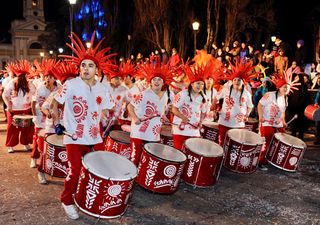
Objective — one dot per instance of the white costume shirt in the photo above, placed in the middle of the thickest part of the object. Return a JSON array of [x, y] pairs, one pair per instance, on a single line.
[[49, 126], [17, 100], [83, 107], [210, 94], [148, 104], [41, 95], [233, 111], [192, 110], [273, 109]]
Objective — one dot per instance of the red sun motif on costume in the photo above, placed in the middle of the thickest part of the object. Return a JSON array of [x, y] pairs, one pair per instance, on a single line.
[[80, 108]]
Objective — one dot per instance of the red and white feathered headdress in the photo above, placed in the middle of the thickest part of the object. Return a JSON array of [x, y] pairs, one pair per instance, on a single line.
[[9, 67], [21, 67], [99, 57], [286, 78], [124, 70], [64, 70], [242, 70], [46, 66], [149, 71], [197, 72]]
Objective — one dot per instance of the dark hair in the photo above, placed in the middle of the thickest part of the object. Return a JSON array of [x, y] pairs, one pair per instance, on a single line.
[[285, 97], [204, 90], [242, 89], [22, 84]]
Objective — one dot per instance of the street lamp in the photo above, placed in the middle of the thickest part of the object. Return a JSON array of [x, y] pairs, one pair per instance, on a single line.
[[41, 55], [273, 38], [195, 27], [60, 50], [129, 46], [88, 44], [72, 3]]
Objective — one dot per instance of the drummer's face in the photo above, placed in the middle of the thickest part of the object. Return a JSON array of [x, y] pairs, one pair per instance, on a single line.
[[284, 89], [156, 83], [88, 70], [209, 82], [197, 86], [237, 82]]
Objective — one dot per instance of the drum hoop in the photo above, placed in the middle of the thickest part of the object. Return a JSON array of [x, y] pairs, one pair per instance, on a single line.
[[109, 178], [245, 143], [289, 144], [96, 215], [165, 160], [62, 146], [204, 155]]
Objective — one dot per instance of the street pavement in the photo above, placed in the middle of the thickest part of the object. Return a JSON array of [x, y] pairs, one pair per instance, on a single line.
[[264, 197]]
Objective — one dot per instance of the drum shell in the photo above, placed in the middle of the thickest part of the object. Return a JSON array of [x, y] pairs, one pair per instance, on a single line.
[[210, 133], [284, 156], [22, 122], [312, 112], [94, 197], [239, 157], [55, 159], [153, 173], [166, 136], [201, 171], [252, 124], [117, 146]]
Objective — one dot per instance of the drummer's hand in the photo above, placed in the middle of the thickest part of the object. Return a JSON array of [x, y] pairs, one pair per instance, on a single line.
[[285, 125], [185, 119], [261, 120], [59, 129], [165, 119], [137, 121], [316, 104], [245, 118]]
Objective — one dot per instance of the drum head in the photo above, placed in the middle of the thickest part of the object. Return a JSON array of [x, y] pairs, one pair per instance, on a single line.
[[245, 137], [121, 136], [210, 124], [56, 140], [204, 147], [24, 117], [42, 132], [110, 166], [165, 152], [166, 131], [290, 140]]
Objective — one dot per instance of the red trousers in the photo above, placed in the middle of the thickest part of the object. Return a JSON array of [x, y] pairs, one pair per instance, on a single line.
[[136, 149], [16, 135], [35, 152], [41, 163], [267, 132], [178, 141], [74, 153]]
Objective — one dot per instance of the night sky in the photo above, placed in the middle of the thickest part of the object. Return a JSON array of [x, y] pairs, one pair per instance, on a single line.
[[291, 17]]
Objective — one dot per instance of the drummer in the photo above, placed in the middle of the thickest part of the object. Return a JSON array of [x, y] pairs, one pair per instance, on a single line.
[[85, 101], [147, 109], [237, 101], [62, 71], [317, 103], [17, 96], [190, 106], [271, 111], [43, 91]]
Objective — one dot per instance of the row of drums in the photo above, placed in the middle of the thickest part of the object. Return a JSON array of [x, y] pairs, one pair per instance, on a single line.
[[107, 177]]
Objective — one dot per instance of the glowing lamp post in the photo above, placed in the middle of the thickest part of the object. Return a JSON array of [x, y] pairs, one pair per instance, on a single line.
[[195, 27], [273, 38], [72, 3]]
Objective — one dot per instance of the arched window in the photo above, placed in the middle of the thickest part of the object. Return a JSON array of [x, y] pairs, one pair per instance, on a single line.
[[35, 45]]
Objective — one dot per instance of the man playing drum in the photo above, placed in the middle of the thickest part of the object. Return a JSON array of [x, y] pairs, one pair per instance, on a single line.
[[271, 111], [85, 101]]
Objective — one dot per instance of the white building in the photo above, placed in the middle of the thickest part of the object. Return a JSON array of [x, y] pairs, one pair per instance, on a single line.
[[24, 34]]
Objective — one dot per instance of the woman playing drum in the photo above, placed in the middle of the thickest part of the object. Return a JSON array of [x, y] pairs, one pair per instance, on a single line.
[[147, 108], [271, 111], [17, 96]]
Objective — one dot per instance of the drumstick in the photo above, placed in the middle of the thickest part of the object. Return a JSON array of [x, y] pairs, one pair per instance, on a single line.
[[292, 119], [149, 118], [73, 136]]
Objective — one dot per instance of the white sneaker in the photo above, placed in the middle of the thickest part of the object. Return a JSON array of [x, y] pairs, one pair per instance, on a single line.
[[10, 149], [33, 163], [42, 178], [71, 211], [27, 147]]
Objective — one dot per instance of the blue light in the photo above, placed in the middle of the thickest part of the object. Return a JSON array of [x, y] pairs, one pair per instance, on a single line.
[[87, 9], [84, 36], [98, 34]]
